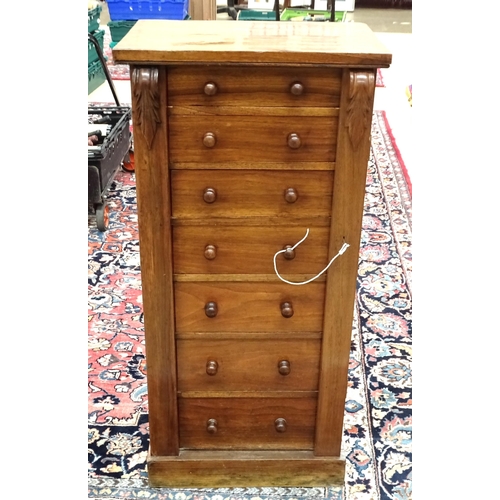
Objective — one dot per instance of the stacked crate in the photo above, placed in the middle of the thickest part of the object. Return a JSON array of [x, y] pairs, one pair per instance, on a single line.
[[125, 13], [96, 71]]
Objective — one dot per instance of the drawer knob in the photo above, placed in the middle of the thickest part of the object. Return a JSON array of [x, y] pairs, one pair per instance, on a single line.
[[290, 252], [286, 310], [212, 426], [209, 195], [212, 367], [209, 140], [280, 424], [294, 141], [210, 252], [284, 367], [211, 309], [210, 88], [297, 88], [291, 195]]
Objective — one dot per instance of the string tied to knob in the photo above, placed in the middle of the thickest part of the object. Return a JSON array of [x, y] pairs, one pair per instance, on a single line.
[[344, 247]]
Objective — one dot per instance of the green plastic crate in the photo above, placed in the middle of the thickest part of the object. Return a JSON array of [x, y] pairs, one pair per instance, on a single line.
[[99, 36], [256, 15], [94, 15], [96, 75], [289, 14], [119, 29]]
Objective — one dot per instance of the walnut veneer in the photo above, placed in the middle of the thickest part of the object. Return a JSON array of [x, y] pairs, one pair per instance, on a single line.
[[246, 134]]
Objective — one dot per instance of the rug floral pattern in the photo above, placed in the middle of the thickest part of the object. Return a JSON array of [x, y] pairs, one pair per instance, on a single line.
[[378, 418]]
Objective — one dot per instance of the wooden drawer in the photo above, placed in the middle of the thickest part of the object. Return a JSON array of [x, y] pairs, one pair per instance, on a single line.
[[245, 193], [248, 365], [250, 86], [247, 423], [248, 307], [254, 139], [248, 250]]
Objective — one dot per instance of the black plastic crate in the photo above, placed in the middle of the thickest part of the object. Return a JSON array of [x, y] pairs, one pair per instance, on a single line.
[[106, 157]]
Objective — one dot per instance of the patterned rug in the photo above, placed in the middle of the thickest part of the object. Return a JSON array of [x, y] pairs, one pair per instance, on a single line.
[[379, 81], [117, 71], [378, 416]]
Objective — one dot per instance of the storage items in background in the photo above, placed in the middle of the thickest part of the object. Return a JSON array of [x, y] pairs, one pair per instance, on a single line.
[[96, 73], [132, 10], [125, 13]]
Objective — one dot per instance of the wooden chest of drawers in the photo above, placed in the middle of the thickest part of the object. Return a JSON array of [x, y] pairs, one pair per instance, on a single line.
[[246, 135]]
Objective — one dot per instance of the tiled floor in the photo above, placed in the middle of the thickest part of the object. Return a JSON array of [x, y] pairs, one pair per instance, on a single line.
[[394, 28]]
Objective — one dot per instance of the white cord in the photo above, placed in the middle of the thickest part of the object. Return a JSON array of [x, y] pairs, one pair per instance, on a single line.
[[345, 246]]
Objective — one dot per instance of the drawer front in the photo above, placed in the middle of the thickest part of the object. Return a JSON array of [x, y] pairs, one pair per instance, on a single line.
[[248, 365], [247, 423], [251, 139], [248, 250], [248, 307], [250, 86], [242, 193]]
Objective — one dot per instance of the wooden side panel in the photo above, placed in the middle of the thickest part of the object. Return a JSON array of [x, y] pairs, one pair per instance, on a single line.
[[347, 212], [153, 203]]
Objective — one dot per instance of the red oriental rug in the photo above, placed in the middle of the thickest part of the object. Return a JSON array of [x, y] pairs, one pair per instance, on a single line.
[[117, 71], [378, 411], [379, 81]]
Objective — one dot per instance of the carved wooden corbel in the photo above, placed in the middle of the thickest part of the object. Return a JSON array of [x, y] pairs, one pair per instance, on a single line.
[[147, 102], [360, 107]]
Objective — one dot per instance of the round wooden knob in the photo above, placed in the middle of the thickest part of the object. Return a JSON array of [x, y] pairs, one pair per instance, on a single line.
[[291, 195], [286, 310], [294, 141], [212, 367], [297, 88], [210, 252], [211, 425], [284, 367], [280, 425], [290, 252], [211, 309], [209, 140], [209, 195], [210, 88]]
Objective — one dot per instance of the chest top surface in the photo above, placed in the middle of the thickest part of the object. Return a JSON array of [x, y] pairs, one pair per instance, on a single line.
[[252, 42]]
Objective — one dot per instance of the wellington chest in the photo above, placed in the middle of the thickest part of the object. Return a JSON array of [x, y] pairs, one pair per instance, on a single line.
[[251, 146]]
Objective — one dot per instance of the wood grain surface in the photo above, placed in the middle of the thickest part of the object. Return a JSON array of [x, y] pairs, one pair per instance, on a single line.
[[253, 366], [248, 250], [248, 307], [247, 423], [248, 193], [253, 86], [252, 42]]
